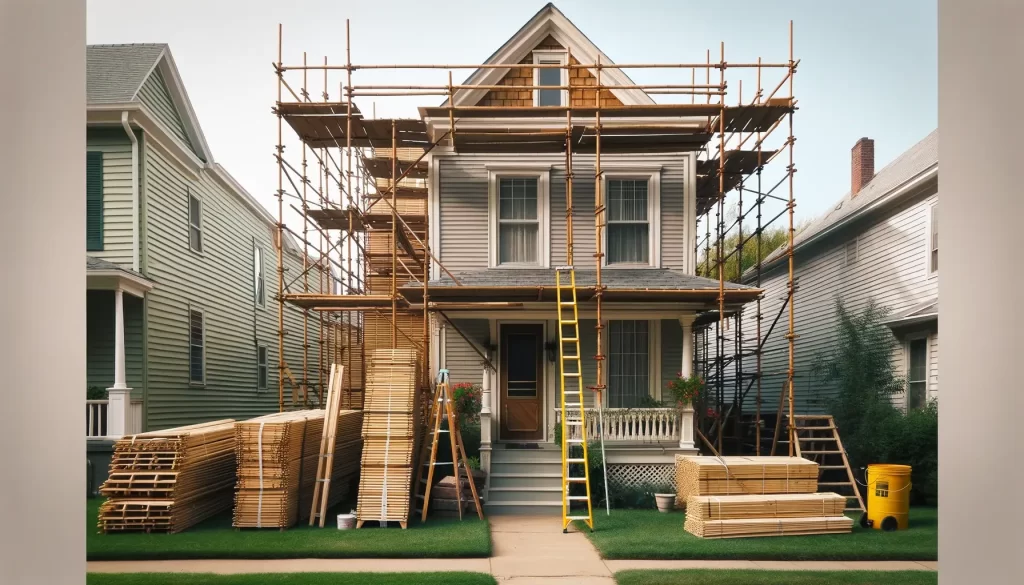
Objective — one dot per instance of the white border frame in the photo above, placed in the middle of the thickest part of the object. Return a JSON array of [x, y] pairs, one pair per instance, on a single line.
[[256, 247], [188, 335], [653, 176], [549, 55], [543, 175]]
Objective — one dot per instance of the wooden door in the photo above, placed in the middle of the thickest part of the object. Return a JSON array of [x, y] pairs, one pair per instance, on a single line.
[[522, 382]]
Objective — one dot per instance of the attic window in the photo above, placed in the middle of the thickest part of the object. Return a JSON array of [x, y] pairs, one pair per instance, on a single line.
[[550, 76]]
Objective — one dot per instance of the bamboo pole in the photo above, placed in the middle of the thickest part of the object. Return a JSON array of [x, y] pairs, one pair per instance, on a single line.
[[792, 326], [280, 232], [305, 256], [347, 390]]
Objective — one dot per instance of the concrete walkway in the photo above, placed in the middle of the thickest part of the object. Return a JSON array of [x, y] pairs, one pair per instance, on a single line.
[[525, 550]]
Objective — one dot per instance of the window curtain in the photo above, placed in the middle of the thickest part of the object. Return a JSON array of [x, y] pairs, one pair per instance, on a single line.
[[628, 227], [518, 229], [628, 363]]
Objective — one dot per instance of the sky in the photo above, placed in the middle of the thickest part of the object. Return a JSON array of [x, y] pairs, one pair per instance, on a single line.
[[867, 68]]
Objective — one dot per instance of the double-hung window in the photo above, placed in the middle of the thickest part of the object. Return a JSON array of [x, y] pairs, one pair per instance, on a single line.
[[259, 278], [917, 372], [518, 219], [550, 76], [631, 217], [261, 367], [195, 222], [629, 363], [933, 241]]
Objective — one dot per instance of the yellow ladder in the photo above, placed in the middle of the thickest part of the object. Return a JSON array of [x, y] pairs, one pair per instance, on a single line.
[[574, 444]]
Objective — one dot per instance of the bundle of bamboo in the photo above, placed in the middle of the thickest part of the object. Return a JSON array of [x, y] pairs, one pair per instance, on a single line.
[[717, 476], [169, 480], [277, 459], [389, 430]]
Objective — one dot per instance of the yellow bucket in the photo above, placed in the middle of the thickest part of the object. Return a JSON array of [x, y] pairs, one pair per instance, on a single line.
[[888, 496]]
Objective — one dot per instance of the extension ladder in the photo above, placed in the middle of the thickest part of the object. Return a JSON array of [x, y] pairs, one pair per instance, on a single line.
[[574, 447], [442, 408], [817, 438]]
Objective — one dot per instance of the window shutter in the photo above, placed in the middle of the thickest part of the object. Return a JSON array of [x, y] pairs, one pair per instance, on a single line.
[[94, 201]]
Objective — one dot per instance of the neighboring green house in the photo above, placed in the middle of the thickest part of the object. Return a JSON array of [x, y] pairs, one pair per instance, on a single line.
[[181, 272]]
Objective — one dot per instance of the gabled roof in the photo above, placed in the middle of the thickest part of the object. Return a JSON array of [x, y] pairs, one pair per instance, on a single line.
[[549, 20], [116, 73], [916, 164]]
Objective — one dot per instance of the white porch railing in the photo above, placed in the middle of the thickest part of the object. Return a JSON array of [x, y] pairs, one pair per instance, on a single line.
[[96, 418], [639, 425]]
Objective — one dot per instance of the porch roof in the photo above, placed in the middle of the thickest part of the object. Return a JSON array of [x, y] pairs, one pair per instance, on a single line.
[[630, 284], [926, 312], [105, 275]]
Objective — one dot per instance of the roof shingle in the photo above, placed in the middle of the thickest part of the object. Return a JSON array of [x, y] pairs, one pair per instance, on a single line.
[[114, 73]]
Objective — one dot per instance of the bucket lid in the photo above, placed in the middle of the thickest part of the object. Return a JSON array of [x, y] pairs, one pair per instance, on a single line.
[[890, 467]]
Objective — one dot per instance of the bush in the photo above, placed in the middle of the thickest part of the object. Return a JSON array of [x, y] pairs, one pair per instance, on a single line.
[[640, 497], [873, 430]]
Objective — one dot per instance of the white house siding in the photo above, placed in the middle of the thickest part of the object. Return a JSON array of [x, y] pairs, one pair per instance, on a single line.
[[891, 268], [463, 205], [220, 282], [117, 193]]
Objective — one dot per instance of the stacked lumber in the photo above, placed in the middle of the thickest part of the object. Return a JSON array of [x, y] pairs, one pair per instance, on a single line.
[[390, 424], [169, 480], [766, 515], [277, 458], [722, 476]]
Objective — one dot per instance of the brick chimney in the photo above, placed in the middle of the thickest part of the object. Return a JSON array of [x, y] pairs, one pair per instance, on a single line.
[[863, 164]]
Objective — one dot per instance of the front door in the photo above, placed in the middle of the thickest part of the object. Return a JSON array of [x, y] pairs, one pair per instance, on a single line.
[[522, 382]]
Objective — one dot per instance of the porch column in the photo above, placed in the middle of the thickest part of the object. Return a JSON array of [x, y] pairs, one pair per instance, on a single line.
[[686, 434], [485, 428], [119, 396]]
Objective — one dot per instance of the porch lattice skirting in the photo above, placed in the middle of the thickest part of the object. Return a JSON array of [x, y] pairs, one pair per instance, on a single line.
[[632, 476]]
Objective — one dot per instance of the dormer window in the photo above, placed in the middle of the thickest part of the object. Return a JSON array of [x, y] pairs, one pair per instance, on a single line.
[[550, 76]]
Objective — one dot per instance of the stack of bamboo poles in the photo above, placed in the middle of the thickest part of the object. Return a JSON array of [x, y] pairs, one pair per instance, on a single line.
[[389, 430], [277, 459], [169, 480], [766, 515], [723, 476]]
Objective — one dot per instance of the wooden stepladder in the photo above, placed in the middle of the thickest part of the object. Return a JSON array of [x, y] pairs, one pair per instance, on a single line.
[[325, 463], [442, 408], [574, 428], [817, 438]]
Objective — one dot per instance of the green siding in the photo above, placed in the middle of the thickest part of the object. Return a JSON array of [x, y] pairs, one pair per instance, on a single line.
[[671, 351], [156, 97], [220, 282], [115, 148], [100, 321], [94, 201]]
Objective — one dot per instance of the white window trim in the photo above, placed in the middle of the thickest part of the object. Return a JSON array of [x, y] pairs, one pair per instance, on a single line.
[[256, 248], [190, 195], [653, 358], [927, 365], [562, 58], [653, 177], [266, 352], [543, 176], [929, 270], [202, 313], [855, 242]]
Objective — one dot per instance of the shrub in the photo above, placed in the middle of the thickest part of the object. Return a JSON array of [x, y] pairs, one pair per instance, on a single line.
[[639, 497], [95, 393], [467, 400]]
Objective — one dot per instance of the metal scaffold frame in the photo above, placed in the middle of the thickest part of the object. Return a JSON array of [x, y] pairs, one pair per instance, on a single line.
[[376, 169]]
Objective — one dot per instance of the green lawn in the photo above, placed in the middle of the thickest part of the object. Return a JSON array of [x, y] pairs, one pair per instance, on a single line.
[[217, 539], [290, 579], [734, 577], [649, 534]]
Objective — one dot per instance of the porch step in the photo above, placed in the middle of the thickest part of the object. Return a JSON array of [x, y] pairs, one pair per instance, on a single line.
[[527, 508], [527, 480], [524, 494]]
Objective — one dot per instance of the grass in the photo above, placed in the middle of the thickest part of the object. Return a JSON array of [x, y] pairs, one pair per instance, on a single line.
[[649, 534], [217, 539], [290, 579], [731, 577]]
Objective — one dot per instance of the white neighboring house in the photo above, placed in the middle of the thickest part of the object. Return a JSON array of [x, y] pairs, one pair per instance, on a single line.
[[879, 241]]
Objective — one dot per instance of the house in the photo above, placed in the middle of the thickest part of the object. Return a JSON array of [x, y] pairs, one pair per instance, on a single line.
[[498, 225], [182, 321], [880, 242]]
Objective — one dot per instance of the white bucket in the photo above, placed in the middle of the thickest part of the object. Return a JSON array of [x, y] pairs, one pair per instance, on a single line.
[[346, 521]]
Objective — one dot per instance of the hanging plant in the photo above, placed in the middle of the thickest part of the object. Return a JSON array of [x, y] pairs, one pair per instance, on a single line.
[[467, 399], [684, 391]]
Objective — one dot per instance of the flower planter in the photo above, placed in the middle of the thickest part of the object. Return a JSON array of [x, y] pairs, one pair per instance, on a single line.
[[666, 502]]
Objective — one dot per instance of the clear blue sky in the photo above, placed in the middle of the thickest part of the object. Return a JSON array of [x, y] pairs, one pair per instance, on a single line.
[[868, 68]]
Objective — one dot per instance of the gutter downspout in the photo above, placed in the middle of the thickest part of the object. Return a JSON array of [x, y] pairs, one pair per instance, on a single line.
[[136, 244]]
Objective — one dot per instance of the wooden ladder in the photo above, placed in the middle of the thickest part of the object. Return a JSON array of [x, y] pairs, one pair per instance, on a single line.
[[441, 408], [325, 463], [817, 439], [571, 400]]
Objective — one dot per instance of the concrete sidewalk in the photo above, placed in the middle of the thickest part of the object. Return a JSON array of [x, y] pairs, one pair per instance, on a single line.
[[526, 549]]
